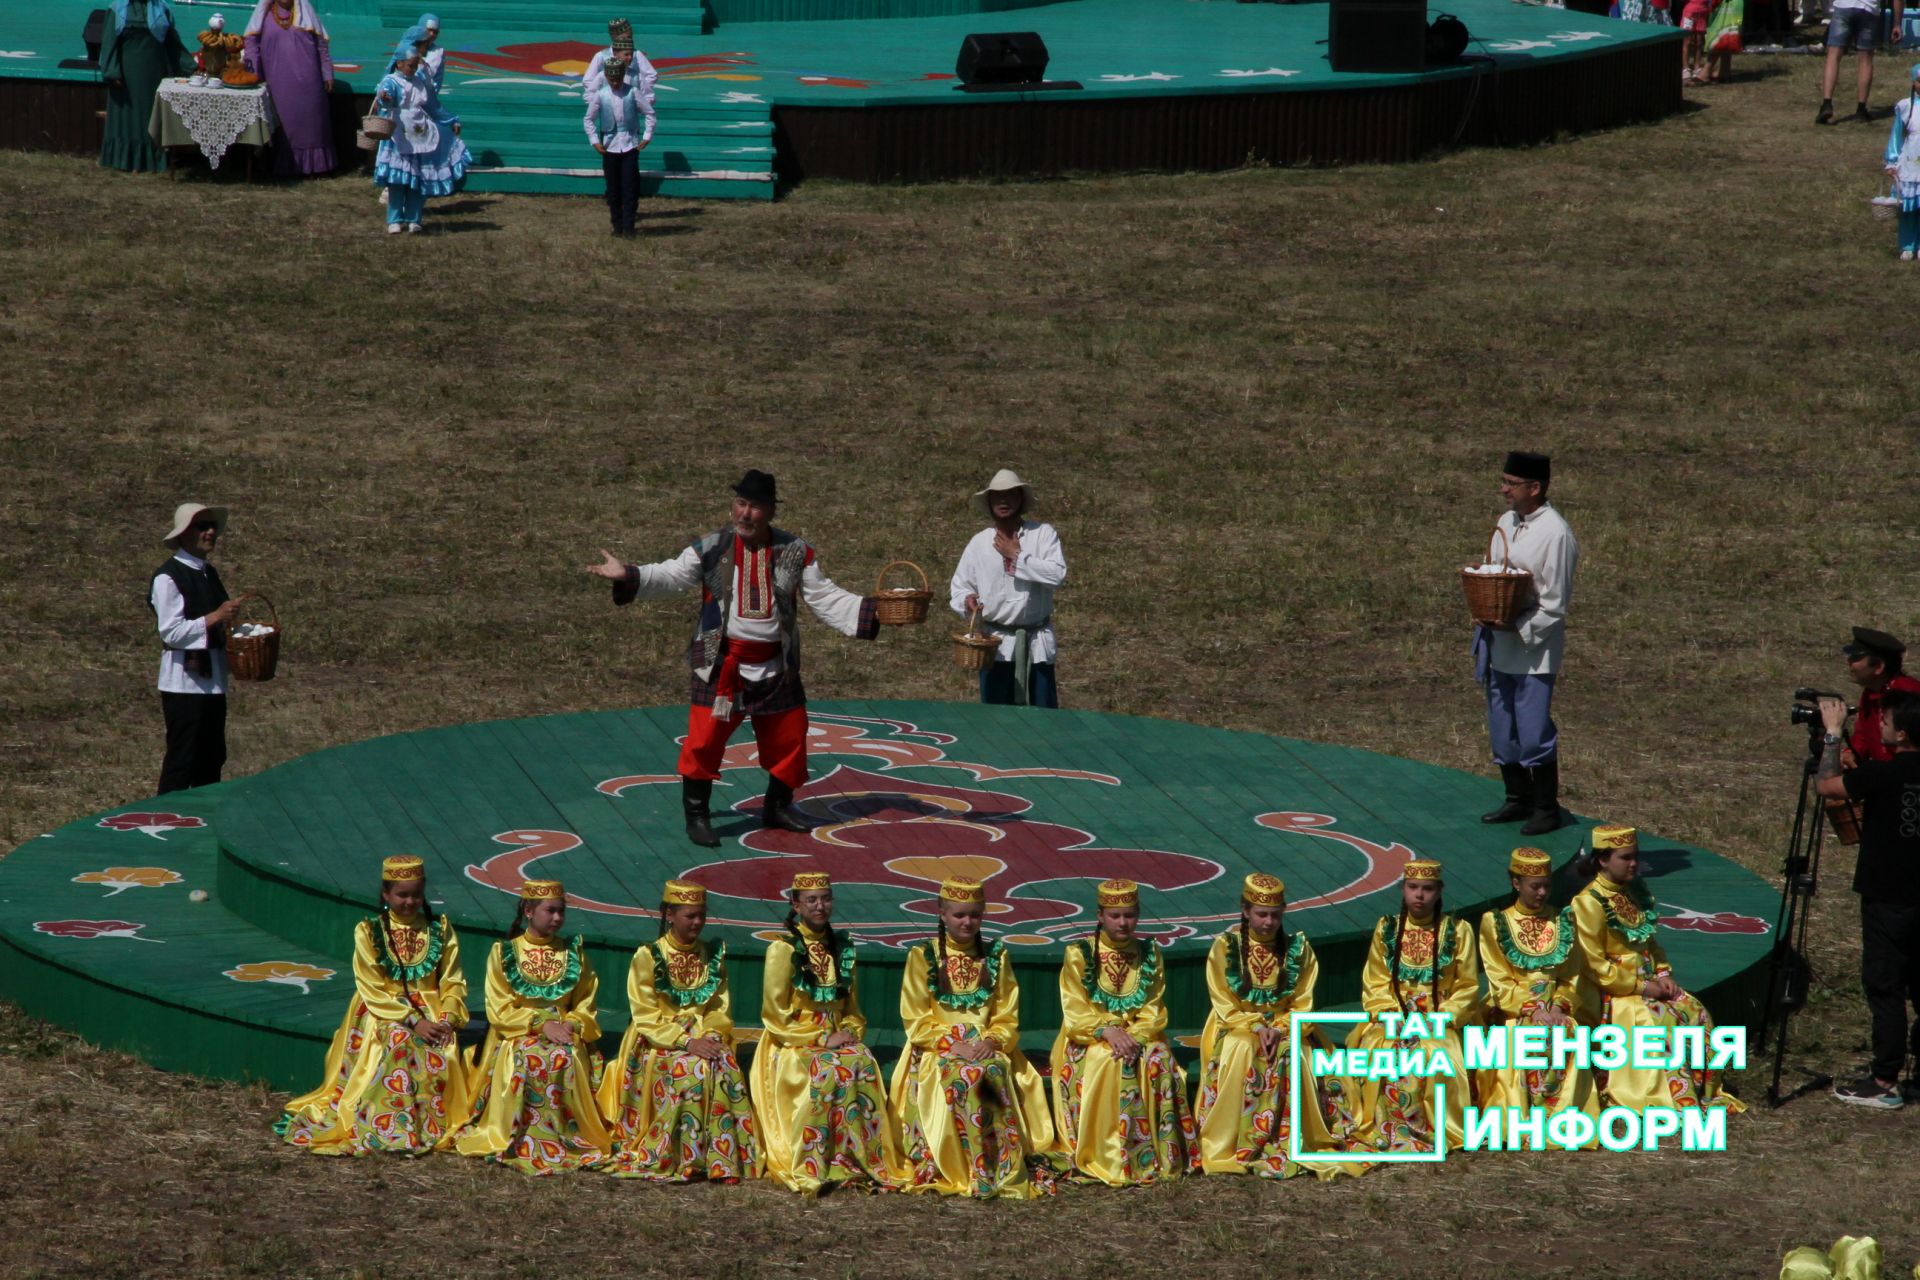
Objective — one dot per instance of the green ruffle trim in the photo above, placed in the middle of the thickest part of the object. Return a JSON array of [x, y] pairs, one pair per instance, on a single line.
[[1121, 1005], [1527, 960], [550, 992], [989, 979], [1443, 935], [830, 992], [420, 968], [687, 997], [1244, 991], [1637, 934]]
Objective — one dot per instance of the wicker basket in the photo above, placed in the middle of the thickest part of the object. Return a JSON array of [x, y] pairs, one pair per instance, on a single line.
[[1494, 598], [362, 141], [1886, 207], [901, 606], [379, 128], [255, 657], [974, 649], [1845, 817]]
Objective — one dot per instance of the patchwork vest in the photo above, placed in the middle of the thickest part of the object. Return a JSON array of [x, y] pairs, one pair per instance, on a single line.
[[789, 557]]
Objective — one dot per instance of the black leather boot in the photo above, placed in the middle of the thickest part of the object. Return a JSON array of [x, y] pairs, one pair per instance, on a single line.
[[776, 812], [1546, 800], [1519, 796], [695, 796]]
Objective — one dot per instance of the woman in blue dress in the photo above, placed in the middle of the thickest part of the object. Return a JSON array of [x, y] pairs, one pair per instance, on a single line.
[[425, 156]]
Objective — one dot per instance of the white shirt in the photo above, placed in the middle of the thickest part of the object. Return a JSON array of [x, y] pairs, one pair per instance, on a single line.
[[1019, 594], [640, 74], [835, 606], [180, 633], [614, 119], [433, 65], [1543, 545]]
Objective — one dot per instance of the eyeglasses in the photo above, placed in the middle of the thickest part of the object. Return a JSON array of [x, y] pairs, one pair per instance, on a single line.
[[201, 526]]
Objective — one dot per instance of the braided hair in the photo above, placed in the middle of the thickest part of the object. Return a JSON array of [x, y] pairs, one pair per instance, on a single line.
[[940, 956], [663, 920], [1393, 960], [834, 943]]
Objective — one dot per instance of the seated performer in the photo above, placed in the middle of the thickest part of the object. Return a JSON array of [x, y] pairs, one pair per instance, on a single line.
[[675, 1099], [1258, 977], [972, 1111], [1535, 977], [394, 1079], [534, 1107], [746, 648], [1421, 961], [1119, 1095], [816, 1088], [1615, 920]]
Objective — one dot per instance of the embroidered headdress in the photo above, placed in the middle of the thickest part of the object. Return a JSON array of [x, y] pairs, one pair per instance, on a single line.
[[684, 893], [1527, 861], [1611, 837], [537, 890], [402, 866], [1421, 869], [620, 31], [1263, 890], [1118, 893], [805, 880], [959, 889]]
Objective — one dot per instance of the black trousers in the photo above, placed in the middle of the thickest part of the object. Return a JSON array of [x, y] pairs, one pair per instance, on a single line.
[[196, 740], [1890, 972], [623, 187]]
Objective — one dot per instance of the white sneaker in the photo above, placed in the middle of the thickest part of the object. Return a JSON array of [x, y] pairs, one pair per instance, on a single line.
[[1906, 255], [415, 229], [395, 228]]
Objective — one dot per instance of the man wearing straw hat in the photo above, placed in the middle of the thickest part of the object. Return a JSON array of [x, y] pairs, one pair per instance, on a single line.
[[191, 609], [1008, 573], [746, 647], [1517, 664]]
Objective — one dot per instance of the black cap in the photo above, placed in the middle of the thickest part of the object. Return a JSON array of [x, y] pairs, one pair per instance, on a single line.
[[1528, 466], [1868, 642], [757, 486]]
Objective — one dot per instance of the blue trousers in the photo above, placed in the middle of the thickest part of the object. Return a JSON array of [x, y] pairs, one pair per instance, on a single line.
[[405, 204], [998, 689], [1520, 719], [1910, 231]]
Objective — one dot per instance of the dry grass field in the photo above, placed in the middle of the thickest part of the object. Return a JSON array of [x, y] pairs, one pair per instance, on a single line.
[[1266, 409]]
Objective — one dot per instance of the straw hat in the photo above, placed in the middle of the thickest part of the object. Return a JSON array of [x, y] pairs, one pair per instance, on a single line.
[[1003, 479], [183, 516]]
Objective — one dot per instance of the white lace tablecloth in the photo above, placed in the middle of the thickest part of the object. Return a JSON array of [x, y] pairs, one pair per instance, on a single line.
[[214, 117]]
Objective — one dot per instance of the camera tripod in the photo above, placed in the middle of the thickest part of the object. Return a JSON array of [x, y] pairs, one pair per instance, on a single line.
[[1789, 975]]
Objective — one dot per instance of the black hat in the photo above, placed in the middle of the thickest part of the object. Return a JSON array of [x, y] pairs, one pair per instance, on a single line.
[[757, 486], [1528, 466], [1867, 641]]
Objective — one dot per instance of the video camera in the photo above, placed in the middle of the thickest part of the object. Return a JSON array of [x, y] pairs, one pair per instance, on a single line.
[[1806, 709]]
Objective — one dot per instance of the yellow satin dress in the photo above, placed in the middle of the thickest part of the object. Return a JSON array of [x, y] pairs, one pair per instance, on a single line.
[[968, 1128], [1532, 962], [535, 1108], [1122, 1124], [674, 1116], [1244, 1108], [1398, 1115], [386, 1089], [823, 1115], [1617, 936]]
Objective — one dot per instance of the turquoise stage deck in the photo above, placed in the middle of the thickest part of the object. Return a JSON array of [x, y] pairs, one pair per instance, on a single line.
[[97, 930]]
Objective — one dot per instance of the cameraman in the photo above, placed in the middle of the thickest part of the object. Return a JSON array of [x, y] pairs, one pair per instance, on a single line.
[[1874, 660], [1887, 878]]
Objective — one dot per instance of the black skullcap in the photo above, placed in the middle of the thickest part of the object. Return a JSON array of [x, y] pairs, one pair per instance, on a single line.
[[1528, 466]]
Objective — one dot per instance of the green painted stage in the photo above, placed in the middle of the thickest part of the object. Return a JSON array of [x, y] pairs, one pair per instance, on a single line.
[[727, 67], [101, 933]]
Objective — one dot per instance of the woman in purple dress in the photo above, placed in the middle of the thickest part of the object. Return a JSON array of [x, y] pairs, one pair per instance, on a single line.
[[287, 47]]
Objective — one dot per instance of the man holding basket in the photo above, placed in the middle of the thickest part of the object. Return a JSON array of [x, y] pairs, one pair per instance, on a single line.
[[1517, 663]]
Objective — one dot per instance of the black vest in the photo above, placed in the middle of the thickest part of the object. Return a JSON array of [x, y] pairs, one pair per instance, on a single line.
[[201, 592]]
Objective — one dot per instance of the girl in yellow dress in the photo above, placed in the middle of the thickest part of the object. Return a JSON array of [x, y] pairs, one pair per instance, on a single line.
[[675, 1099], [1616, 922], [1258, 977], [816, 1088], [1120, 1096], [972, 1111], [1421, 961], [394, 1079], [535, 1108], [1535, 977]]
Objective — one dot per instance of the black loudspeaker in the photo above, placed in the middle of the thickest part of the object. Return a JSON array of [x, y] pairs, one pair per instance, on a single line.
[[92, 35], [1377, 35], [1010, 57], [1447, 39]]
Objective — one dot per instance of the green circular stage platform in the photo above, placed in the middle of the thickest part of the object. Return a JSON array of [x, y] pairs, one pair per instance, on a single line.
[[103, 935]]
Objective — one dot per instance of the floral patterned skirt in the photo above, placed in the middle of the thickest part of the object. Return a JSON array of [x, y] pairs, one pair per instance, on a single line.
[[823, 1117], [963, 1128], [392, 1092], [1401, 1114], [1638, 1088], [1125, 1124], [679, 1117], [535, 1111], [1245, 1111]]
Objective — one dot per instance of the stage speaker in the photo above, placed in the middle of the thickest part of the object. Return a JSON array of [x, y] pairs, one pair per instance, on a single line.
[[1377, 35], [1010, 57], [93, 34], [1447, 39]]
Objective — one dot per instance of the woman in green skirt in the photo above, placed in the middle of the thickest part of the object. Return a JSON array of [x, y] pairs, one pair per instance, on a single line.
[[142, 48]]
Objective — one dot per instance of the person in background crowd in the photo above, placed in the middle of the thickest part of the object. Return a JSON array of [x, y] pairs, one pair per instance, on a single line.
[[287, 47], [425, 156], [191, 608], [1854, 24], [1008, 572], [140, 49], [1903, 166]]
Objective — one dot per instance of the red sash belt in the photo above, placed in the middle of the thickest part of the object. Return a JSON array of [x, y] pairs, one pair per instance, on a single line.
[[726, 680]]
